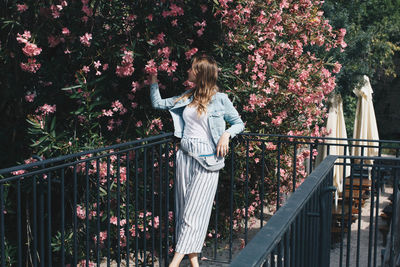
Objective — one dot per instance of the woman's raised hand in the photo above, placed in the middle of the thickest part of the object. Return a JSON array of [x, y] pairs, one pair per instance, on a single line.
[[153, 78], [223, 144]]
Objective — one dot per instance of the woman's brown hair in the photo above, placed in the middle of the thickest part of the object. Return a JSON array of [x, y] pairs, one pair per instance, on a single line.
[[205, 69]]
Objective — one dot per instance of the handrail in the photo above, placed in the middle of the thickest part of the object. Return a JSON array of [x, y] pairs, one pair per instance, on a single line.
[[78, 154], [319, 138], [255, 253]]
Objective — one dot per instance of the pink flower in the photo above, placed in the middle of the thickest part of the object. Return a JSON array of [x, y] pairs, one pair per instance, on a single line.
[[82, 263], [22, 8], [85, 39], [31, 50], [23, 38], [85, 69], [53, 41], [97, 64], [191, 52], [150, 17], [54, 11], [151, 67], [31, 66], [337, 67], [47, 109], [203, 8], [65, 31], [87, 10], [105, 66], [30, 96], [80, 212], [107, 113]]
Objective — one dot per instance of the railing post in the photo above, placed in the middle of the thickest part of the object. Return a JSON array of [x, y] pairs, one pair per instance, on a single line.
[[325, 221]]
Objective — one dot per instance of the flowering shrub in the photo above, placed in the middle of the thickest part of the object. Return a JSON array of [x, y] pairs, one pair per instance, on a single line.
[[85, 63]]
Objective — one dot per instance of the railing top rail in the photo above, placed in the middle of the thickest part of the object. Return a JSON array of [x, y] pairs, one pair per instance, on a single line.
[[69, 156], [318, 138], [369, 158], [255, 252]]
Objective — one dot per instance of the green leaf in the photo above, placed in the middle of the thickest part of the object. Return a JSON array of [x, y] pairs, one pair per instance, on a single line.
[[39, 141], [53, 123], [71, 87]]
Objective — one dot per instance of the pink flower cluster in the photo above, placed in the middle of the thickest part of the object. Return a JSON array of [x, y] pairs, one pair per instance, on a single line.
[[22, 8], [151, 67], [85, 39], [202, 25], [126, 68], [31, 50], [191, 52], [173, 12]]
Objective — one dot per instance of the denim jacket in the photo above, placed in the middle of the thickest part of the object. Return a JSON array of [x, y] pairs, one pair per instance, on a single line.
[[219, 110]]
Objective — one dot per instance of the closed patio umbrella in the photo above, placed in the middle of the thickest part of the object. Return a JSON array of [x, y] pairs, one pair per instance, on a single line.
[[336, 127], [365, 122]]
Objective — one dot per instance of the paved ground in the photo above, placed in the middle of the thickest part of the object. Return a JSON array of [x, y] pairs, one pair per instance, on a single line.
[[364, 235]]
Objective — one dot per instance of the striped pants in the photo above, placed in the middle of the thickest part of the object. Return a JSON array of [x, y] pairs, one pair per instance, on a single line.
[[195, 189]]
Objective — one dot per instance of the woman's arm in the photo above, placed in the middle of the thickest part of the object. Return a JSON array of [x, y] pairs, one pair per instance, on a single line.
[[237, 126], [232, 117], [156, 100]]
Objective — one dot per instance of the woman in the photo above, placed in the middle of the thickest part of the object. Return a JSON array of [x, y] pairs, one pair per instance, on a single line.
[[199, 117]]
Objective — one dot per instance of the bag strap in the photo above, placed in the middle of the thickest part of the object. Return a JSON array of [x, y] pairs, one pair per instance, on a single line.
[[196, 155]]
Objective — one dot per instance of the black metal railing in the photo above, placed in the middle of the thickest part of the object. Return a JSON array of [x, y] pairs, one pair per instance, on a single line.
[[103, 205], [298, 233], [356, 241], [116, 203]]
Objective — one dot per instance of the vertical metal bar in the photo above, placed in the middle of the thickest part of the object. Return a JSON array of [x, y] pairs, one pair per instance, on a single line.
[[262, 184], [231, 199], [136, 206], [350, 215], [87, 166], [303, 237], [2, 237], [377, 185], [278, 176], [371, 217], [298, 241], [167, 203], [246, 192], [127, 170], [294, 165], [62, 190], [311, 153], [286, 249], [152, 207], [75, 230], [216, 225], [394, 217], [292, 243], [34, 222], [160, 202], [108, 213], [118, 210], [97, 212], [49, 219], [343, 208], [19, 237], [279, 260], [144, 204], [359, 208]]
